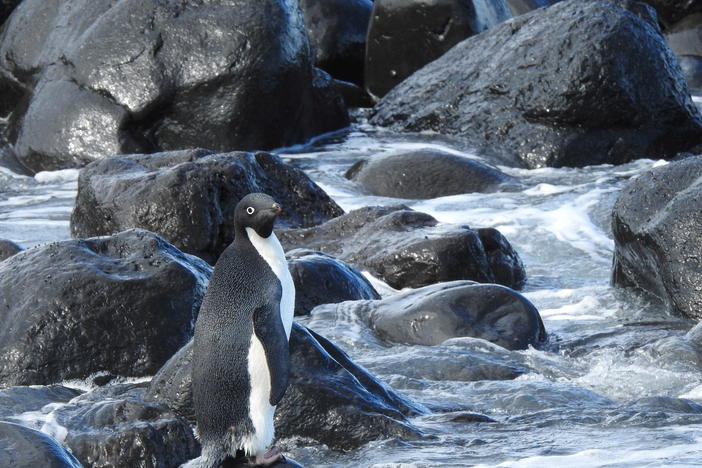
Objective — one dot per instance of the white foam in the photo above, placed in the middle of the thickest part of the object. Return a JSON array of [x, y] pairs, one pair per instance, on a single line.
[[51, 177]]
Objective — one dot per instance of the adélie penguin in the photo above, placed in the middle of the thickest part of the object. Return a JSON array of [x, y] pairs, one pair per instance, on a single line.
[[240, 351]]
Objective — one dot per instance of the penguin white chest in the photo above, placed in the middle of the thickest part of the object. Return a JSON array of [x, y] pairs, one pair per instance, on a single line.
[[271, 251]]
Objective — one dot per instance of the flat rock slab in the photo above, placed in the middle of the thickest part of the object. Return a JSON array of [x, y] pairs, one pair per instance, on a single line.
[[189, 196], [407, 248], [122, 304], [657, 226], [604, 88]]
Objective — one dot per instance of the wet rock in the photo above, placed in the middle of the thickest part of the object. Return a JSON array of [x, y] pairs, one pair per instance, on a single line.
[[685, 39], [405, 35], [189, 196], [329, 399], [244, 462], [85, 79], [337, 31], [114, 426], [21, 447], [672, 11], [575, 108], [426, 174], [404, 247], [436, 313], [6, 7], [18, 400], [519, 7], [8, 249], [657, 227], [122, 304], [321, 279]]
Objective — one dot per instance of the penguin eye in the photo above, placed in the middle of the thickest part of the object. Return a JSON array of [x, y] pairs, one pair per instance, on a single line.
[[250, 210]]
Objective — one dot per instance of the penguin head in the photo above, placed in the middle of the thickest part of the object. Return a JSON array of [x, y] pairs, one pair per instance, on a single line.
[[257, 211]]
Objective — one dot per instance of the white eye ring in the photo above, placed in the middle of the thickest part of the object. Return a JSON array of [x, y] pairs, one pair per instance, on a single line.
[[250, 210]]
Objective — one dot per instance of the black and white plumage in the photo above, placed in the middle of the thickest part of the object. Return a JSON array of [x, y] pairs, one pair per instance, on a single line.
[[240, 351]]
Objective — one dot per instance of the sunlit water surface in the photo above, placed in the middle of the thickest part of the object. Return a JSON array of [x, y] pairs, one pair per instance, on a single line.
[[576, 403]]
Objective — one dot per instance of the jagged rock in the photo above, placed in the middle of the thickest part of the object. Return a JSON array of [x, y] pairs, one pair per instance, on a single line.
[[122, 304], [607, 89], [426, 174], [657, 228], [329, 398], [8, 249], [337, 30], [189, 196], [321, 279], [21, 447], [404, 35], [85, 79], [433, 314], [407, 249]]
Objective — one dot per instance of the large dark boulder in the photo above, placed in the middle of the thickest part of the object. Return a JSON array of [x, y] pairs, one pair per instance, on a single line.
[[122, 304], [6, 7], [436, 313], [406, 248], [322, 279], [337, 30], [329, 399], [189, 196], [8, 249], [21, 447], [672, 11], [84, 79], [427, 173], [657, 226], [604, 88], [404, 35], [685, 39]]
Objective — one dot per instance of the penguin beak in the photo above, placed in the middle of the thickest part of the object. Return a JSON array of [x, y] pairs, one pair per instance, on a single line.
[[276, 209]]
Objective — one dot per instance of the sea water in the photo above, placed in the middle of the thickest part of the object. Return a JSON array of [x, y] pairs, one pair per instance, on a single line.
[[610, 387]]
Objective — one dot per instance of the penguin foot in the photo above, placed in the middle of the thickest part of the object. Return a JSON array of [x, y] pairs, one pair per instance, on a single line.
[[269, 457]]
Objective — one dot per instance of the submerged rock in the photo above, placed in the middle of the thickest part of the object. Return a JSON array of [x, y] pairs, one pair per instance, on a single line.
[[337, 30], [607, 89], [405, 35], [21, 447], [436, 313], [407, 249], [329, 398], [189, 196], [657, 226], [426, 174], [8, 249], [122, 304], [85, 79], [321, 279], [18, 400]]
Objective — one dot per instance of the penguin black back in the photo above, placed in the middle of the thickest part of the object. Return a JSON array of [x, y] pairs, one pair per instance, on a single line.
[[241, 307]]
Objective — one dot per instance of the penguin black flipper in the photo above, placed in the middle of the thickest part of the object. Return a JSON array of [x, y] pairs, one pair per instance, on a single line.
[[269, 329]]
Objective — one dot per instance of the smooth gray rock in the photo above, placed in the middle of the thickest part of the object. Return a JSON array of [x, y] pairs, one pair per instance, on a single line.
[[21, 447], [604, 88], [657, 226], [189, 196], [433, 314], [122, 304], [426, 174]]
